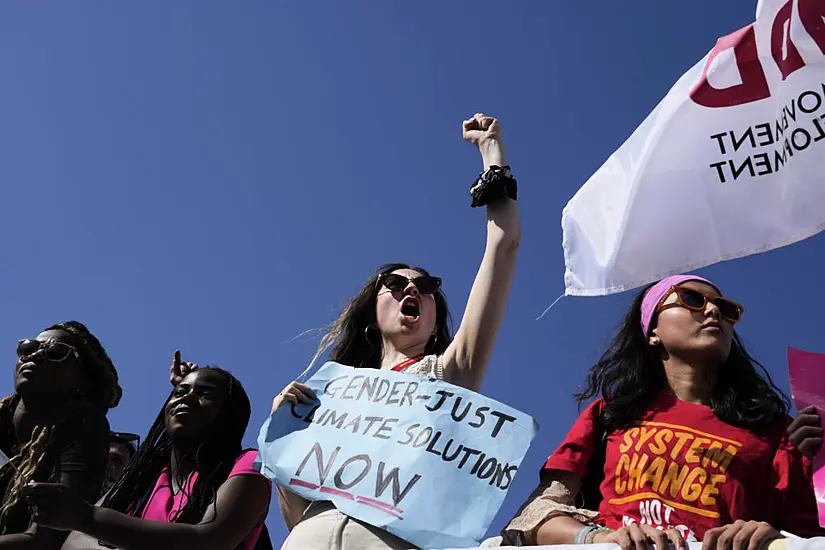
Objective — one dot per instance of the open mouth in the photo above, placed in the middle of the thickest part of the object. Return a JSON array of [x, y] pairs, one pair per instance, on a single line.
[[410, 309]]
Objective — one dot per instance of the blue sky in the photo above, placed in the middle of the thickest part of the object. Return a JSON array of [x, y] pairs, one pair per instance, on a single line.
[[219, 177]]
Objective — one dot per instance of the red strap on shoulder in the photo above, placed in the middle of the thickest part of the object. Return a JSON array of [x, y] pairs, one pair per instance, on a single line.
[[406, 363]]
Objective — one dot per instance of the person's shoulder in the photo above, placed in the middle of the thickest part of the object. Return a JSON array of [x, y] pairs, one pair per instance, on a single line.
[[245, 464], [247, 457], [86, 419], [594, 408]]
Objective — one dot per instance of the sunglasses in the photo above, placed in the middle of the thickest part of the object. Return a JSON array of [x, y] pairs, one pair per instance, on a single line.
[[425, 284], [125, 437], [52, 351], [694, 300]]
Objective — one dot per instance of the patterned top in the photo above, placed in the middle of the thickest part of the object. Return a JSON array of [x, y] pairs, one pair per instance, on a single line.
[[431, 366]]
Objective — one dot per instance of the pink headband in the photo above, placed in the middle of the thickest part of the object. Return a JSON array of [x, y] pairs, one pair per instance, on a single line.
[[658, 292]]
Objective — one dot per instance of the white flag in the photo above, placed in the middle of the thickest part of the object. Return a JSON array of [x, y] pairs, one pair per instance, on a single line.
[[730, 163]]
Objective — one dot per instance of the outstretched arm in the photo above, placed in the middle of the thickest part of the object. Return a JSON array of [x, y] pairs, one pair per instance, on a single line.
[[240, 505], [466, 359]]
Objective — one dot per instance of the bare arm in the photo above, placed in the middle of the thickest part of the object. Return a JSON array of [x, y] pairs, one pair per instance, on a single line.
[[549, 516], [35, 538], [466, 359], [240, 504], [292, 507]]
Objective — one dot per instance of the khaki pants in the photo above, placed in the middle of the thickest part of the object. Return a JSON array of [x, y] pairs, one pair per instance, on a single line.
[[323, 527]]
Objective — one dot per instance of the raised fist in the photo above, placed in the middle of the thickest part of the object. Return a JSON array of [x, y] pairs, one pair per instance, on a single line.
[[481, 128]]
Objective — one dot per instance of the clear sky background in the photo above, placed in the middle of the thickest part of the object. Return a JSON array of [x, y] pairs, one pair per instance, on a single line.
[[220, 176]]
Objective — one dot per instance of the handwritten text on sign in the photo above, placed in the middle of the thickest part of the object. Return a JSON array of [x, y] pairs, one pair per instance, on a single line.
[[391, 448]]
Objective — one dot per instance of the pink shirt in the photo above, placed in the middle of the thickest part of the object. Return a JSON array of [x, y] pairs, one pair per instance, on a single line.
[[163, 504]]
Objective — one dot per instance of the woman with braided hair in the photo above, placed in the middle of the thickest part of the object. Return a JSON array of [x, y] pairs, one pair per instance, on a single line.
[[53, 427], [190, 485]]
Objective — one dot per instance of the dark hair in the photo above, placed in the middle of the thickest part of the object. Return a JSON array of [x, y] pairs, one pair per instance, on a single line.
[[355, 340], [630, 375], [104, 391], [214, 458], [38, 454]]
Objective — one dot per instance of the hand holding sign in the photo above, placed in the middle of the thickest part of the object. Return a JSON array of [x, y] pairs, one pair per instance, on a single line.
[[805, 432], [741, 534], [389, 449], [808, 391], [635, 535], [294, 393]]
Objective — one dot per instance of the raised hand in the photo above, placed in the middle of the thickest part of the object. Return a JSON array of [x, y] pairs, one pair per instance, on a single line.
[[180, 369], [481, 128], [485, 133]]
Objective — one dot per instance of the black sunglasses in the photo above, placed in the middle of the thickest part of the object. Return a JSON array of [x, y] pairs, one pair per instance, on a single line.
[[426, 284], [53, 351], [125, 437]]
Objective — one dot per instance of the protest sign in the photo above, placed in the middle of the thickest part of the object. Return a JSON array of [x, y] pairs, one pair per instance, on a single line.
[[806, 371], [728, 164], [426, 460]]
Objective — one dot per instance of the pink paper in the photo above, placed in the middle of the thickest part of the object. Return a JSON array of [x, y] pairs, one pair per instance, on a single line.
[[807, 374]]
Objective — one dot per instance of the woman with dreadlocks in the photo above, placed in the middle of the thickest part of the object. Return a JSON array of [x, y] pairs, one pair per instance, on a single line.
[[53, 427], [190, 485]]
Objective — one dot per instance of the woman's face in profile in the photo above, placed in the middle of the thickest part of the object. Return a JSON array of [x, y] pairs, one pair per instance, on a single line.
[[703, 335]]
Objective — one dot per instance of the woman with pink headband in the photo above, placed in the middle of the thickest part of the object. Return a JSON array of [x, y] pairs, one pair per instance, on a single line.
[[686, 441]]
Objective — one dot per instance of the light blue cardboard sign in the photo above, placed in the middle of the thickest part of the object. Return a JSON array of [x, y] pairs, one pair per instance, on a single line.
[[426, 460]]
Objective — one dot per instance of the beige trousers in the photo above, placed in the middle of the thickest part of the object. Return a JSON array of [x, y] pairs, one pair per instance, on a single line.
[[323, 527]]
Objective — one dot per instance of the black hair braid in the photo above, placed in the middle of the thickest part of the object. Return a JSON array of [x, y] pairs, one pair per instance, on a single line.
[[141, 473], [34, 462], [214, 458], [105, 392]]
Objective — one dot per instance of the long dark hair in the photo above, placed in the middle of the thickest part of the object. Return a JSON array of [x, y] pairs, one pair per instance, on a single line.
[[630, 375], [353, 337], [214, 458], [37, 456]]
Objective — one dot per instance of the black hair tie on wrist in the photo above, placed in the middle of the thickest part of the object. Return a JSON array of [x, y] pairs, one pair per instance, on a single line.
[[494, 184]]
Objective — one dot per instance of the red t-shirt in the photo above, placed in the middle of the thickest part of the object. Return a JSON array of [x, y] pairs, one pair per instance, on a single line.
[[682, 466]]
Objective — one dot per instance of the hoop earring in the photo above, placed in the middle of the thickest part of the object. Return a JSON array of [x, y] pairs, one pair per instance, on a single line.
[[434, 338], [367, 335]]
